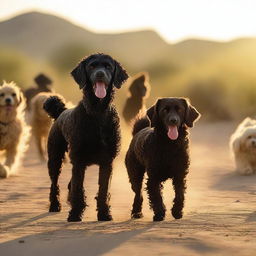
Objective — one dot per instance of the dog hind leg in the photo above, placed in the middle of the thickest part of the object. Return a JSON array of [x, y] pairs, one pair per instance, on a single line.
[[136, 174], [39, 144], [57, 147]]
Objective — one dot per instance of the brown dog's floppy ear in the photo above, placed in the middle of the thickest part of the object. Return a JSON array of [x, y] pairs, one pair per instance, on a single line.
[[152, 113], [120, 75], [191, 114], [79, 74]]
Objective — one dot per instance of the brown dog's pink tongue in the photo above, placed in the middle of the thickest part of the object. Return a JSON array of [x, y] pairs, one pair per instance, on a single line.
[[100, 90], [173, 132]]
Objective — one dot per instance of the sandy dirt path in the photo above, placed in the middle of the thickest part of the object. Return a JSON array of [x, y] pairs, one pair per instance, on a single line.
[[219, 219]]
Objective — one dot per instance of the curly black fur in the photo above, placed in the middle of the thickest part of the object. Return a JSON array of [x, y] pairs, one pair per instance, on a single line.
[[54, 106], [140, 124], [90, 132], [153, 149]]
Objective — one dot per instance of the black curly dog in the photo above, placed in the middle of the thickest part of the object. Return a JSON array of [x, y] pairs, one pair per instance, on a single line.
[[162, 151], [89, 132]]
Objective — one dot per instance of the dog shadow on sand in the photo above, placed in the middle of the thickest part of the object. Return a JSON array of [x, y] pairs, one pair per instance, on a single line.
[[88, 238], [232, 181]]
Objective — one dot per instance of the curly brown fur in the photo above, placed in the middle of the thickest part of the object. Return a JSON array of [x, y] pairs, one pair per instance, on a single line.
[[90, 132], [14, 133], [43, 83], [40, 120], [139, 90], [162, 152]]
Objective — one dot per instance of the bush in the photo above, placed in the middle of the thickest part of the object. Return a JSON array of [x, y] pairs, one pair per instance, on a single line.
[[66, 58], [210, 99]]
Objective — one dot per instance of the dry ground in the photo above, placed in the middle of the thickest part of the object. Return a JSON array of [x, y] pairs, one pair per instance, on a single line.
[[219, 219]]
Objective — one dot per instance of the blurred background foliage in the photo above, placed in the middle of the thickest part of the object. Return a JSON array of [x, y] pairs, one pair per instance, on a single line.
[[219, 78]]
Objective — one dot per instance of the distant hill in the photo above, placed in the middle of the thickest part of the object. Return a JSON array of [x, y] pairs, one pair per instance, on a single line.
[[39, 35]]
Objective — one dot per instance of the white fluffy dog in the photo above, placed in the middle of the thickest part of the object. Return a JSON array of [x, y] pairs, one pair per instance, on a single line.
[[243, 146], [14, 132]]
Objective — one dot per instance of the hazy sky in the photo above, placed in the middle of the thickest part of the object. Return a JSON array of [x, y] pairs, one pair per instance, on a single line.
[[174, 20]]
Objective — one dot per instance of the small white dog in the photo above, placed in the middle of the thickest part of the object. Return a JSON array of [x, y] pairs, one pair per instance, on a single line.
[[243, 147], [14, 132]]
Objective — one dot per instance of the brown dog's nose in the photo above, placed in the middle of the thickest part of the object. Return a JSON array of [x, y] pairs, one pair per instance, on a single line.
[[174, 121], [8, 100]]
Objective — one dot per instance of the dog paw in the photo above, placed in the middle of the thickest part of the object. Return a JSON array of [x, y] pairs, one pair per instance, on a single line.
[[247, 171], [177, 214], [159, 217], [137, 215], [74, 218], [104, 216], [4, 171], [55, 207]]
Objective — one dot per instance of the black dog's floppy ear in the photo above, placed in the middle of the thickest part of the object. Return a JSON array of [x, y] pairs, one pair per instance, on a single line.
[[152, 113], [120, 75], [191, 114], [79, 74]]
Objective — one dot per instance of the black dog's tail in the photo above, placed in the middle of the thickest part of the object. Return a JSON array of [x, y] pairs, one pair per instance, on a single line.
[[54, 106], [140, 124]]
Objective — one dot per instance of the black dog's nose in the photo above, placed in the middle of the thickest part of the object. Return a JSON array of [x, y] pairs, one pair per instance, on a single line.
[[8, 100], [100, 74], [173, 120]]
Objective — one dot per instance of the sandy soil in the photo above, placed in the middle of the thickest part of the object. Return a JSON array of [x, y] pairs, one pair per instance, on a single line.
[[219, 219]]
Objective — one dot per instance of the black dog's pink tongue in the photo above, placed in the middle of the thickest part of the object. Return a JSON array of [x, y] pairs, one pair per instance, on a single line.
[[173, 132], [100, 90]]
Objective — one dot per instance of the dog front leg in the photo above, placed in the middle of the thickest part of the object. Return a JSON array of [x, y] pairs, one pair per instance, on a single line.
[[242, 165], [103, 197], [7, 168], [76, 194], [154, 189], [39, 144], [11, 156], [179, 185]]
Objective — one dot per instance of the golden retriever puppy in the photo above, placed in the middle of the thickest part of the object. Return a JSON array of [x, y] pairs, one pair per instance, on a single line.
[[43, 84], [41, 122], [243, 147], [14, 132]]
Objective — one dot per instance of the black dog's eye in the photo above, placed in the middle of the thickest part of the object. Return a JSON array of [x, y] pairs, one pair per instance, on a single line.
[[1, 94], [93, 65], [166, 109], [13, 94], [107, 65], [178, 109]]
